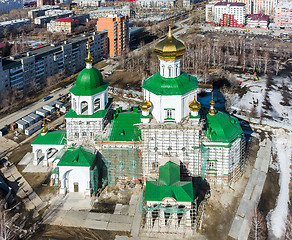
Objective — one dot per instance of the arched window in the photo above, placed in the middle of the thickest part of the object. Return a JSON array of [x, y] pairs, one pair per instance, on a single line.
[[84, 108], [169, 71], [163, 70], [74, 104], [96, 104], [177, 70]]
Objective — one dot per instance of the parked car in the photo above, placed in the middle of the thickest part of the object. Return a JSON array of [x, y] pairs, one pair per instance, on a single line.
[[46, 98]]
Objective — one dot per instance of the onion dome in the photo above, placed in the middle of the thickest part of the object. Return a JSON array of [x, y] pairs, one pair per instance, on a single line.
[[145, 105], [44, 125], [89, 80], [212, 110], [194, 105], [170, 48]]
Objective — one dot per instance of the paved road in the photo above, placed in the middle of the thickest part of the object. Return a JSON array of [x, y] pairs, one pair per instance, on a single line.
[[30, 108]]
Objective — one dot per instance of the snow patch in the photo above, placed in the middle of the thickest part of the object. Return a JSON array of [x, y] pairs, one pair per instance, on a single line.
[[278, 216]]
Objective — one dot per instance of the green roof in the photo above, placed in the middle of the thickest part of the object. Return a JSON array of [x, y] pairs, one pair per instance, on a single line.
[[125, 127], [89, 82], [99, 114], [169, 185], [222, 127], [80, 156], [51, 138], [180, 85]]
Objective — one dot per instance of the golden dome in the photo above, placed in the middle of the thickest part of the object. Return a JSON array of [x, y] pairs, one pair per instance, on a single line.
[[212, 110], [145, 105], [170, 48], [194, 105]]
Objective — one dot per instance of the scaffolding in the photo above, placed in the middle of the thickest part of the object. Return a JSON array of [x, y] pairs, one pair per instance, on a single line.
[[166, 218], [121, 163]]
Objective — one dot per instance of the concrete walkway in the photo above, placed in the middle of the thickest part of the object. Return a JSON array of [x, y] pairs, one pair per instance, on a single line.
[[74, 211], [240, 227], [22, 189]]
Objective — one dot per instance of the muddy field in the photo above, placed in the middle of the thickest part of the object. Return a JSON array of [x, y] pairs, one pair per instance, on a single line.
[[47, 232]]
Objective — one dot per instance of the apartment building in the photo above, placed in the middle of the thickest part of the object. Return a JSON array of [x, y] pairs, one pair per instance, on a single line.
[[41, 11], [52, 15], [117, 27], [36, 65], [257, 21], [283, 15], [229, 14], [13, 24], [258, 6], [104, 11], [65, 25]]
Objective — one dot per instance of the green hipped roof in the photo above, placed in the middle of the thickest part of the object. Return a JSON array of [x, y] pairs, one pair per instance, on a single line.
[[169, 185], [80, 156], [180, 85], [51, 138], [222, 127], [89, 82], [125, 127], [99, 114]]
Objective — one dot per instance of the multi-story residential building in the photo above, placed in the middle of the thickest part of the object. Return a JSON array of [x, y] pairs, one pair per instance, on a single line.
[[52, 15], [258, 6], [7, 5], [283, 15], [13, 24], [156, 3], [229, 14], [88, 3], [210, 11], [40, 11], [104, 11], [257, 21], [117, 27], [65, 25], [36, 65]]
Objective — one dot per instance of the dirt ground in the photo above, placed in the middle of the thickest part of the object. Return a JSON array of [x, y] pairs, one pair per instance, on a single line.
[[125, 80], [221, 207], [48, 232]]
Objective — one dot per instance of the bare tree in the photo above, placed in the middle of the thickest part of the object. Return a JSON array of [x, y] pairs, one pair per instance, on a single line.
[[7, 228], [288, 233], [258, 226]]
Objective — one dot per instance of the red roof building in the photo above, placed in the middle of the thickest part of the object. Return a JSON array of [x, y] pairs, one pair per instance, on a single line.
[[257, 20]]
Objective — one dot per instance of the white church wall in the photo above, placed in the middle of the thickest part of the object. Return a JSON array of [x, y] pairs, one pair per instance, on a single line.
[[69, 175]]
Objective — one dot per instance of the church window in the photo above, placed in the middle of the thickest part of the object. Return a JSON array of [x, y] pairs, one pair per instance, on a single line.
[[96, 104], [169, 71], [211, 165], [74, 104], [169, 113], [177, 70], [76, 134], [84, 108], [91, 134], [155, 165], [84, 134], [163, 70]]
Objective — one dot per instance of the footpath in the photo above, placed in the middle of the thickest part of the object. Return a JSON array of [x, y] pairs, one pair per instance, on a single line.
[[240, 227]]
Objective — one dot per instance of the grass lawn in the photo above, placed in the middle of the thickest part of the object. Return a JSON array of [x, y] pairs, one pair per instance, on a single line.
[[101, 64]]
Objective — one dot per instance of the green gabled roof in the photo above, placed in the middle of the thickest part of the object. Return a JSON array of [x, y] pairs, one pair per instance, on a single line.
[[51, 138], [169, 173], [222, 127], [99, 114], [125, 127], [180, 85], [80, 156], [169, 185], [89, 82]]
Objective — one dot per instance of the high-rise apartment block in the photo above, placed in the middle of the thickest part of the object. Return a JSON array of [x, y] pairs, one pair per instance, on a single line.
[[117, 27], [258, 6], [283, 15], [35, 66], [229, 14]]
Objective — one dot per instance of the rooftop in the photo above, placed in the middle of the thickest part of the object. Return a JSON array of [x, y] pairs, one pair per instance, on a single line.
[[66, 20], [80, 156], [258, 17], [125, 127], [169, 185], [230, 3], [51, 138]]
